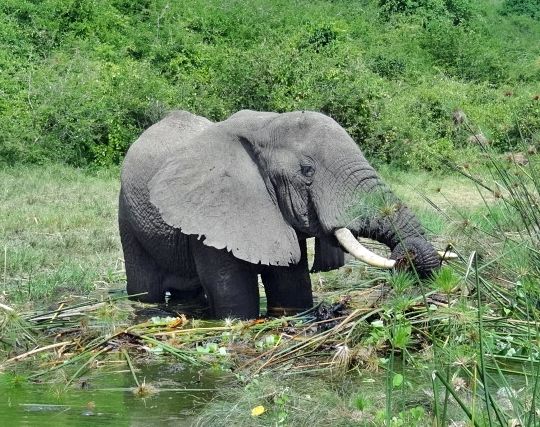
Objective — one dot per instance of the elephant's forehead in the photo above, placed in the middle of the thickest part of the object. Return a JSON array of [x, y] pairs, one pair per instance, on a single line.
[[312, 128], [307, 120]]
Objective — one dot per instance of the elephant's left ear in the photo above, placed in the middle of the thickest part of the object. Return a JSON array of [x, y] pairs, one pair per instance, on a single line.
[[213, 188]]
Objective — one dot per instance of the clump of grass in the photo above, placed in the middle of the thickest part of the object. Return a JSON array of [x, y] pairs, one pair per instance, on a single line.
[[445, 280], [15, 330], [291, 401], [144, 390], [342, 358]]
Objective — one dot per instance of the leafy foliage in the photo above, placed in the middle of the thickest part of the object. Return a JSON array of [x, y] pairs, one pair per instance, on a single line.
[[522, 7], [80, 80], [457, 11]]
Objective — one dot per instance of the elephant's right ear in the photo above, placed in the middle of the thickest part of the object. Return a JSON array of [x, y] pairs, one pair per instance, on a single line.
[[213, 188]]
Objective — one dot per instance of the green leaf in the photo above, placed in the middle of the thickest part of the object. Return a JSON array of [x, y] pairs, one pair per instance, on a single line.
[[397, 380]]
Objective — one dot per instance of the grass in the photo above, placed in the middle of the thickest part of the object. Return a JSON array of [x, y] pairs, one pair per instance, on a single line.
[[58, 232], [381, 350]]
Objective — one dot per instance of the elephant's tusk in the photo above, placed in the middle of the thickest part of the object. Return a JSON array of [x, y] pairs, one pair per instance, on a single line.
[[445, 256], [359, 251]]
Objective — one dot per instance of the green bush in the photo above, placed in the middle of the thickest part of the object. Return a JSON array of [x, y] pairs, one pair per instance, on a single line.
[[319, 39], [522, 7], [388, 66], [81, 80], [463, 53], [457, 11]]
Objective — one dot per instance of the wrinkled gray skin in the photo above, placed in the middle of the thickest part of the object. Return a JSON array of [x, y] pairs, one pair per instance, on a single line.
[[209, 206]]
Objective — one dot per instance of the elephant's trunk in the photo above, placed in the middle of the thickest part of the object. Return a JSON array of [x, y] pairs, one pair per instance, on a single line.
[[398, 228], [369, 209]]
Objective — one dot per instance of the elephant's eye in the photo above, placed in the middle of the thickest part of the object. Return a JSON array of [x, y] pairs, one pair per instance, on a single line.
[[307, 170]]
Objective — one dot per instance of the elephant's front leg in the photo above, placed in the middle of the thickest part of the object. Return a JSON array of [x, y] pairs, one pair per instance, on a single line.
[[230, 284], [288, 289]]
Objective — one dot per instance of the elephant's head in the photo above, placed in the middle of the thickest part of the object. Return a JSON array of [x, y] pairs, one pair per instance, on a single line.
[[256, 181]]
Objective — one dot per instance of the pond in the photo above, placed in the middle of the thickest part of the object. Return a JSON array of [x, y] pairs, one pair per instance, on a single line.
[[107, 398], [106, 395]]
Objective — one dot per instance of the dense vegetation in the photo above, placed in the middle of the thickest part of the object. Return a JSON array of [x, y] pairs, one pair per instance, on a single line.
[[80, 79]]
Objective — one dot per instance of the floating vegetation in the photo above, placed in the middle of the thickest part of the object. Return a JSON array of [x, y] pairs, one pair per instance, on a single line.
[[145, 390], [331, 335]]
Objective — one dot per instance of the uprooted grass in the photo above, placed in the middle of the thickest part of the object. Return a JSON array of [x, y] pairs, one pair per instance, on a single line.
[[393, 325]]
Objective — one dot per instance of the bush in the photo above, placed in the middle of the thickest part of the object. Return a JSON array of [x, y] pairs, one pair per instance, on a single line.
[[463, 52], [81, 80], [457, 11], [529, 8], [525, 130], [319, 39], [388, 66]]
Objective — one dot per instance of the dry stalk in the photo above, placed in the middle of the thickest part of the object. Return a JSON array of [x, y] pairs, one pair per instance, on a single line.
[[35, 351]]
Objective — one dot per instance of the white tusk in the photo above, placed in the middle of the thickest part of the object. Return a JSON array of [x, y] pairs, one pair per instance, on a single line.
[[359, 251], [447, 255]]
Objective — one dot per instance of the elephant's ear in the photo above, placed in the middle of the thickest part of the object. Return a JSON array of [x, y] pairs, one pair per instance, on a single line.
[[328, 256], [213, 188]]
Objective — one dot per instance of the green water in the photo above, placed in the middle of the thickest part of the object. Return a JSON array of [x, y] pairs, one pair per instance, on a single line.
[[107, 398]]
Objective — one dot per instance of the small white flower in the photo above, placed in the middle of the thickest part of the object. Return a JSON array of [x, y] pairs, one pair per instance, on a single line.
[[459, 383]]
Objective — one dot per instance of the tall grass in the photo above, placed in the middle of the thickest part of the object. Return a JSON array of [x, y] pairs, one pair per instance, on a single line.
[[504, 284]]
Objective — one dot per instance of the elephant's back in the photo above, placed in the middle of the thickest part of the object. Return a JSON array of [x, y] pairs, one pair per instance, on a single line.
[[148, 153], [156, 144]]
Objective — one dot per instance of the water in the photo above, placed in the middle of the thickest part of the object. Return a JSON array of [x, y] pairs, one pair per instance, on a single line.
[[107, 398]]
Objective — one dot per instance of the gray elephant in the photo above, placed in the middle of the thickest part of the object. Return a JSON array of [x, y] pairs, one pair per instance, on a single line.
[[209, 206]]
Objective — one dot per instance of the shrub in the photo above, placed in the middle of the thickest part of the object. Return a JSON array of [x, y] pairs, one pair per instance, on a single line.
[[457, 11], [521, 7], [319, 38], [525, 130], [463, 52], [387, 66], [80, 81]]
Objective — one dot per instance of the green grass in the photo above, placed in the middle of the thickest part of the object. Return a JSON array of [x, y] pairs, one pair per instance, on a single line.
[[58, 232]]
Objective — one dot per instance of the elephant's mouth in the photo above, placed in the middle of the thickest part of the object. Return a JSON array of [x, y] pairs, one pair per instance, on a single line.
[[347, 240]]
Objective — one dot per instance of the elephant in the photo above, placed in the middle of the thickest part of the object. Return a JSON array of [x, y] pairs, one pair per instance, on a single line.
[[206, 207]]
